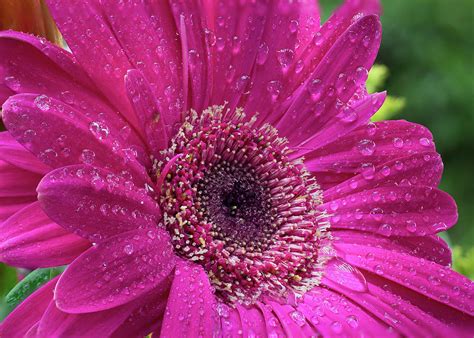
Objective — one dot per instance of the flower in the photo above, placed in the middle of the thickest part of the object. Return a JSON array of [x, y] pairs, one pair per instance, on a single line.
[[209, 169]]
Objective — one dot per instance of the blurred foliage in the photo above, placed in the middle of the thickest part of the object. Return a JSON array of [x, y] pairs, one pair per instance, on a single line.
[[463, 261], [392, 105]]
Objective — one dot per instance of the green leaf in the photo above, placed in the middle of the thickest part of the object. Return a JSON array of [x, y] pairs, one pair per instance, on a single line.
[[8, 278], [28, 285]]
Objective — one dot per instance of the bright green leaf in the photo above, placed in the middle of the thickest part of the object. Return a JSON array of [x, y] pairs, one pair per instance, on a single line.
[[28, 285]]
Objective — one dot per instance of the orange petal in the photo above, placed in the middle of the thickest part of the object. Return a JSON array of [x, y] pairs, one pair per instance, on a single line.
[[30, 16]]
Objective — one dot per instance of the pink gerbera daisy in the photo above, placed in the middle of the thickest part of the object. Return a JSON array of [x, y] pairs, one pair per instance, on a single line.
[[208, 168]]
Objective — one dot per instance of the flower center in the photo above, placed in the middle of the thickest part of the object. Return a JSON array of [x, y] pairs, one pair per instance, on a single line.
[[238, 206], [234, 202]]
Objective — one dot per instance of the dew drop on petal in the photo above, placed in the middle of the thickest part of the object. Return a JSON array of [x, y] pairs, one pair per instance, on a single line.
[[87, 156], [385, 229], [43, 102], [128, 249], [298, 317], [99, 130], [352, 321], [336, 327], [398, 142], [315, 89], [262, 53], [411, 226], [366, 147], [424, 142], [346, 275]]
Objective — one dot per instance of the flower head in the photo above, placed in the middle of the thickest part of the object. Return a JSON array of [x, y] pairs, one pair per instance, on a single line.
[[209, 168]]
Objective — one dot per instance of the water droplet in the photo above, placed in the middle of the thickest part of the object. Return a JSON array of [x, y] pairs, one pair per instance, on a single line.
[[425, 142], [385, 229], [210, 37], [336, 327], [99, 130], [434, 280], [262, 54], [385, 171], [398, 142], [29, 135], [439, 226], [361, 75], [298, 318], [352, 321], [87, 156], [285, 58], [274, 88], [366, 147], [294, 26], [348, 114], [411, 226], [315, 89], [43, 102], [368, 171], [128, 249], [346, 275]]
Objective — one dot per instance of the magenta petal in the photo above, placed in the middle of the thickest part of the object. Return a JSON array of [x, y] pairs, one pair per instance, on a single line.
[[15, 154], [148, 112], [293, 322], [95, 203], [407, 312], [272, 52], [191, 26], [233, 46], [109, 58], [148, 316], [425, 277], [323, 101], [332, 313], [375, 143], [52, 71], [431, 248], [332, 29], [394, 211], [151, 46], [10, 205], [274, 327], [115, 272], [230, 323], [30, 239], [56, 323], [423, 169], [46, 61], [16, 181], [29, 312], [253, 321], [191, 308], [55, 132]]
